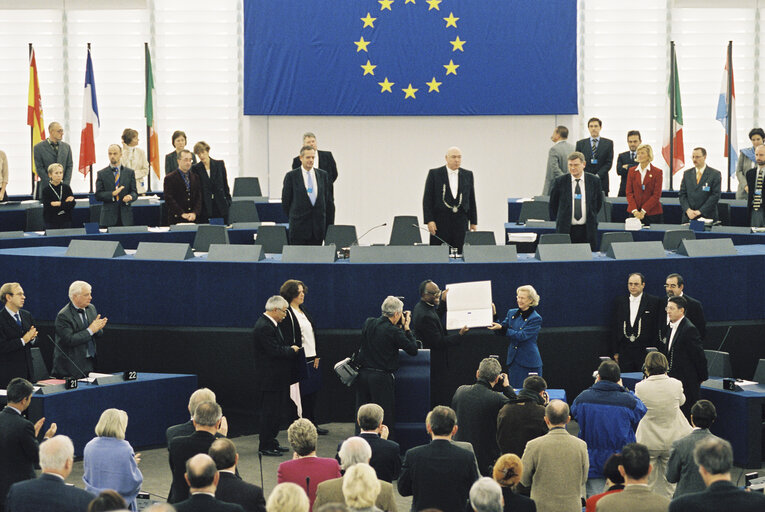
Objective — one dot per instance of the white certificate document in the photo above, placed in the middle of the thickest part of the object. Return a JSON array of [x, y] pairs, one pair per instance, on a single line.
[[468, 304]]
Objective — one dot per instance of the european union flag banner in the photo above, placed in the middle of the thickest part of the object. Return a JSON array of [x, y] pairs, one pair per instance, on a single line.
[[410, 57]]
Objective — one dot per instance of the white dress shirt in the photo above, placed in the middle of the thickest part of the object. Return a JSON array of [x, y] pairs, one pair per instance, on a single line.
[[306, 330], [634, 307], [454, 181], [673, 328]]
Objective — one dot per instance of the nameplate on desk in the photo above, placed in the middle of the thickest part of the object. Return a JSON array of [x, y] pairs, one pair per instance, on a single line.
[[130, 375], [50, 386], [71, 383], [95, 249], [109, 379], [708, 247], [400, 254]]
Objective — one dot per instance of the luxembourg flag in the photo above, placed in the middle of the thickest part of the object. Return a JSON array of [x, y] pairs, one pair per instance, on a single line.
[[90, 121], [731, 145]]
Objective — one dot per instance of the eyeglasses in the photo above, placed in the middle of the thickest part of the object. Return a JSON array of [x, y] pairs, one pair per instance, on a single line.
[[671, 286], [435, 294]]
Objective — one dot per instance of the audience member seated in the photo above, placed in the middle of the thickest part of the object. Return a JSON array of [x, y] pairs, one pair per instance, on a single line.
[[681, 468], [305, 468], [160, 507], [477, 406], [438, 474], [231, 488], [202, 479], [608, 415], [636, 497], [49, 491], [523, 419], [354, 450], [186, 429], [361, 488], [614, 481], [332, 507], [106, 501], [109, 461], [486, 496], [287, 497], [507, 472], [386, 454]]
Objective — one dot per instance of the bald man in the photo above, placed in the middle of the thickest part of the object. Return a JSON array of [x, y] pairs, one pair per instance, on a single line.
[[51, 151], [116, 189], [448, 204]]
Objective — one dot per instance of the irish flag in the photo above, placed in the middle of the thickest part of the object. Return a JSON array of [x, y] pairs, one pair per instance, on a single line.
[[675, 160], [34, 107], [90, 121], [149, 110]]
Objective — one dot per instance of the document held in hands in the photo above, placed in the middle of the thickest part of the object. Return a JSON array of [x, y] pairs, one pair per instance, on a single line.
[[468, 304]]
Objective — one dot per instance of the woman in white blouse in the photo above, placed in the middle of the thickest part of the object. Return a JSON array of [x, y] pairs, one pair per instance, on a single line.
[[134, 158], [297, 328]]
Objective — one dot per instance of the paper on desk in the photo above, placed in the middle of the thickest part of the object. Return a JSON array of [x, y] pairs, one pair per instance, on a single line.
[[520, 237], [468, 304]]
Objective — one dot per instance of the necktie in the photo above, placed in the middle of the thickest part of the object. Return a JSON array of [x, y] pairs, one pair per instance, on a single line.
[[757, 200], [594, 148], [186, 180], [116, 171], [698, 177], [632, 156], [83, 317], [311, 190], [578, 201], [18, 319]]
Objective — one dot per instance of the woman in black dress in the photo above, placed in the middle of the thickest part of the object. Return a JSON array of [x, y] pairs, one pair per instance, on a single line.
[[58, 200]]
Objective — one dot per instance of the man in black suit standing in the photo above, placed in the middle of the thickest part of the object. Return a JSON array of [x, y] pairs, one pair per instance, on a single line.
[[626, 160], [17, 334], [636, 325], [598, 152], [183, 192], [77, 325], [216, 198], [203, 479], [18, 438], [308, 200], [755, 182], [274, 360], [687, 362], [116, 189], [439, 474], [448, 203], [50, 491], [575, 201], [700, 189], [324, 159], [386, 454], [186, 429], [51, 151], [231, 488], [674, 285]]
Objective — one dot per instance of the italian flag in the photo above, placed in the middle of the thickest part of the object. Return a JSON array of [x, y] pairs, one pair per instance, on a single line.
[[150, 107], [676, 124]]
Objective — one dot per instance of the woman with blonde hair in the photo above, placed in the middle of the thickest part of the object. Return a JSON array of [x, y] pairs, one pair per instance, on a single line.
[[360, 488], [287, 497], [507, 473]]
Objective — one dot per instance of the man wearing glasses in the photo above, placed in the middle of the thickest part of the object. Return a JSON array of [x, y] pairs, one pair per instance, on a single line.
[[16, 335], [694, 311]]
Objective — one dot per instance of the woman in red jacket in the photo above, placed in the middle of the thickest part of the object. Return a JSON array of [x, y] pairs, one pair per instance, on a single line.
[[644, 183]]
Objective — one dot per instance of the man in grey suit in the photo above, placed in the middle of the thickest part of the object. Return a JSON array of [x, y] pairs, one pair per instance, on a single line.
[[681, 468], [700, 189], [116, 189], [77, 326], [557, 157], [51, 151], [555, 465], [636, 496]]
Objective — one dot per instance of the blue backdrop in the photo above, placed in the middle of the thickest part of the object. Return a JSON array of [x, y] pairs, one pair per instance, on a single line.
[[409, 57]]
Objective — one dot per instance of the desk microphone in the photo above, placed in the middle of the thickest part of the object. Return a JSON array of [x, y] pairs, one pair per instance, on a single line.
[[367, 231], [451, 248], [308, 486], [84, 375]]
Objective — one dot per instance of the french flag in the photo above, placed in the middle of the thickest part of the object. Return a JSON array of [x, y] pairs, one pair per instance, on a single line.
[[90, 121], [731, 144]]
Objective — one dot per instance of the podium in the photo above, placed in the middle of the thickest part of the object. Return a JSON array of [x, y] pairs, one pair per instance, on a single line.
[[412, 399]]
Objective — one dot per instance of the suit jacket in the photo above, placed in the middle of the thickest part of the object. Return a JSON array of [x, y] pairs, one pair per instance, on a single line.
[[687, 362], [15, 357], [44, 155], [682, 468], [19, 449], [233, 489], [647, 199], [605, 158], [722, 496], [702, 196], [515, 502], [438, 475], [180, 430], [622, 160], [48, 492], [331, 491], [178, 201], [555, 466], [273, 356], [171, 161], [215, 191], [308, 471], [73, 338], [386, 457], [634, 498], [649, 317], [751, 181], [182, 449], [693, 312], [326, 162], [308, 221], [557, 163], [562, 204], [437, 191], [114, 205], [663, 422], [518, 422], [205, 503]]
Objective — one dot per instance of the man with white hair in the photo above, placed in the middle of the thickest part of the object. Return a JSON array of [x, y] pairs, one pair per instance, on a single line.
[[49, 491], [50, 151], [486, 496], [77, 326], [381, 339], [186, 429]]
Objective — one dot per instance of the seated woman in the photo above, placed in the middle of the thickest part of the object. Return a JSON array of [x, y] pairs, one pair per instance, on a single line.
[[107, 501], [614, 481], [360, 488], [58, 200], [507, 473], [109, 461], [287, 497], [644, 182]]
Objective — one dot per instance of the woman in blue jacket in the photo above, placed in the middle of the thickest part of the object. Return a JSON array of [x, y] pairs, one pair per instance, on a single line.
[[522, 326]]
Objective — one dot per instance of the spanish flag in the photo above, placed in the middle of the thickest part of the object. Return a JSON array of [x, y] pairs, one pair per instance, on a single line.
[[34, 106]]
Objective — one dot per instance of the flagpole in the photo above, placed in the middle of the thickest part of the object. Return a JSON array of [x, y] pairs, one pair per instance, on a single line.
[[32, 143], [90, 167], [148, 128], [729, 135], [671, 113]]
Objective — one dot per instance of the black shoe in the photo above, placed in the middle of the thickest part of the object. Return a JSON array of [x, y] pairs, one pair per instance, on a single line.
[[282, 449], [270, 453], [321, 431]]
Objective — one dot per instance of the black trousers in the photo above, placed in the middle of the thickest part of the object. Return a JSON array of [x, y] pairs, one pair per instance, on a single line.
[[377, 387], [451, 227], [271, 404], [578, 234], [631, 359]]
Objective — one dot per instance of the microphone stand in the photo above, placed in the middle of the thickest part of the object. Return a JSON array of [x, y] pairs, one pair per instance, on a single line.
[[452, 249], [84, 375], [346, 251]]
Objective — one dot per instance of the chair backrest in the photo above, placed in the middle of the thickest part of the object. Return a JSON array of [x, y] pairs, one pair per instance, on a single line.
[[246, 186], [340, 235], [207, 234], [480, 238], [243, 211], [272, 238], [718, 363], [604, 215], [615, 236], [554, 238], [539, 210], [723, 212], [405, 230], [35, 221], [95, 212], [759, 373], [673, 238], [39, 368]]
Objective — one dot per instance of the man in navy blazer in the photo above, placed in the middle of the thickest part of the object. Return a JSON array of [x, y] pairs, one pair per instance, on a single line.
[[308, 200], [324, 159], [17, 334], [116, 189], [625, 161], [581, 225], [598, 152], [50, 151]]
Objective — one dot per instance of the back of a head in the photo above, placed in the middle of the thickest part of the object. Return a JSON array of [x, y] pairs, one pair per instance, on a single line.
[[112, 423], [535, 383], [715, 455], [360, 486], [508, 470], [107, 501], [391, 305], [223, 453], [370, 416], [55, 452], [656, 363], [354, 450], [609, 370], [442, 420], [333, 507], [611, 468], [207, 414], [160, 507], [489, 369], [201, 471], [199, 396], [636, 460], [287, 497], [486, 495], [557, 412], [18, 389], [302, 436], [703, 413]]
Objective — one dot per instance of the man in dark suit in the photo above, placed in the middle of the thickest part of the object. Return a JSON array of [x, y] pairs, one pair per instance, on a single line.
[[17, 334], [636, 325], [77, 325], [216, 197], [49, 491], [626, 160], [308, 200], [116, 189], [700, 189], [183, 192], [681, 468], [18, 438], [386, 454], [575, 201], [186, 429], [448, 203], [50, 151], [687, 362], [203, 480], [674, 285], [231, 488], [274, 360], [207, 421], [439, 474], [715, 459], [324, 159], [755, 182], [598, 152], [477, 406]]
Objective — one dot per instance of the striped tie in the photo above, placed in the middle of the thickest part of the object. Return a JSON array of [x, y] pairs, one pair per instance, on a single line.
[[757, 201]]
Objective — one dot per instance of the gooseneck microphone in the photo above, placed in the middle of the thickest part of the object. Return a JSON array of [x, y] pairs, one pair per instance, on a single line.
[[367, 231], [451, 247], [84, 375]]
